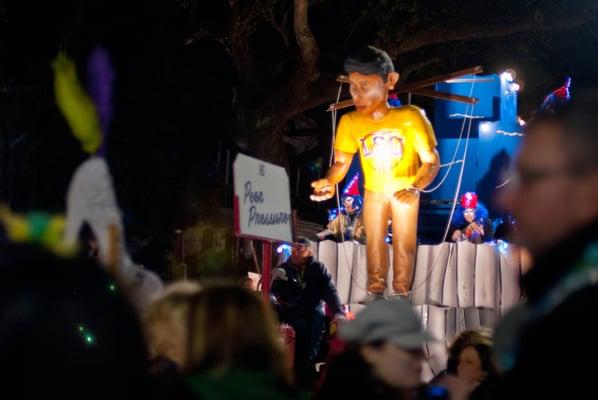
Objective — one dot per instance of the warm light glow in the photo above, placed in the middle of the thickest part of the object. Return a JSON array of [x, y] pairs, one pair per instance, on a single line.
[[512, 73], [507, 76]]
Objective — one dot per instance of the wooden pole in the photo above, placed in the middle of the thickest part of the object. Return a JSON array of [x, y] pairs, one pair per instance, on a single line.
[[410, 87], [416, 88], [445, 96], [267, 266]]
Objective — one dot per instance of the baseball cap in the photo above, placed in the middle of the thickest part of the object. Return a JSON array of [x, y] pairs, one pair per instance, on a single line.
[[392, 320], [303, 241]]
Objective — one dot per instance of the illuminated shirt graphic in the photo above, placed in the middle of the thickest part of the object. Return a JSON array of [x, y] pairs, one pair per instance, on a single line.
[[388, 148]]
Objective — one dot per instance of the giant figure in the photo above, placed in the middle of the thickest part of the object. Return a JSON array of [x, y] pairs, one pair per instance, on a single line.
[[398, 155]]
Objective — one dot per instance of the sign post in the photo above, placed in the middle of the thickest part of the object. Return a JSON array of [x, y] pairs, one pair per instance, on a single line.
[[267, 262], [262, 207]]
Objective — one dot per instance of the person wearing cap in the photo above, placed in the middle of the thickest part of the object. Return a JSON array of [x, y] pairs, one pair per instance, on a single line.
[[398, 155], [384, 355], [301, 285]]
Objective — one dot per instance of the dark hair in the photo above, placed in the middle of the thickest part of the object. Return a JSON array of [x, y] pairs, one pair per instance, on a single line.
[[349, 376], [232, 327], [377, 343], [480, 340], [578, 123], [485, 353], [370, 60]]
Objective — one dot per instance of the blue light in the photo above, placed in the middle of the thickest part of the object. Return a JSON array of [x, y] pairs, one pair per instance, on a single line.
[[503, 246], [284, 248], [333, 212]]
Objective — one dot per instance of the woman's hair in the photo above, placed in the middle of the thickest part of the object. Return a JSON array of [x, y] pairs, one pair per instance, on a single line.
[[479, 339], [168, 313], [233, 327]]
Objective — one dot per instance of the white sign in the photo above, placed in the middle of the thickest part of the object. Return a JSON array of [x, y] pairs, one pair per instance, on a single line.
[[262, 204]]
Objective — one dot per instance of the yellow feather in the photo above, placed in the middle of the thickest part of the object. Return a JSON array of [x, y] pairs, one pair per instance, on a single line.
[[76, 105], [17, 228]]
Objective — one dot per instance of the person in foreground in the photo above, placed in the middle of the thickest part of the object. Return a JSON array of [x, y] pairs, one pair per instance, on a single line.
[[235, 349], [543, 344], [384, 355]]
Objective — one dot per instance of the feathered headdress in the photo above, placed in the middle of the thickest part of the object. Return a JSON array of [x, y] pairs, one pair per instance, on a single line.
[[37, 228], [87, 114], [558, 97]]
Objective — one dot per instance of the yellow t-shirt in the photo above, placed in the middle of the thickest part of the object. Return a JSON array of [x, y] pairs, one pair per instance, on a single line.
[[388, 148]]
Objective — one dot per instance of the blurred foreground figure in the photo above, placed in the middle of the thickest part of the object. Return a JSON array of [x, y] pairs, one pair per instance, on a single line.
[[235, 349], [543, 344], [470, 366], [65, 331], [384, 355], [166, 325]]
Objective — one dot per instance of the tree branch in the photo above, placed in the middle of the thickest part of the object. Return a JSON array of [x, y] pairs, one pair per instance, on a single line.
[[241, 26], [408, 70], [280, 27], [297, 90], [533, 22], [282, 105], [308, 47], [195, 36]]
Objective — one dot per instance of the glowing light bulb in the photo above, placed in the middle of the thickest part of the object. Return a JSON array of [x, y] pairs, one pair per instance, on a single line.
[[507, 76], [512, 73], [485, 127]]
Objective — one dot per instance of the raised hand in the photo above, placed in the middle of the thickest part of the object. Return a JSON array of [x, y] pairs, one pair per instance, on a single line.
[[407, 196], [323, 190], [477, 228]]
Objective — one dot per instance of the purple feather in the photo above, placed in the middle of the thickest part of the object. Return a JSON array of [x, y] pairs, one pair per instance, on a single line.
[[100, 77]]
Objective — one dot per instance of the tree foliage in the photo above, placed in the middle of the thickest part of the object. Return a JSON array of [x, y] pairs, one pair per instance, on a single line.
[[302, 57]]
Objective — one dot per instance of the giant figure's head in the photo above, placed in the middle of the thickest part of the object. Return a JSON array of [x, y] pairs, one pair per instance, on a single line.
[[372, 76]]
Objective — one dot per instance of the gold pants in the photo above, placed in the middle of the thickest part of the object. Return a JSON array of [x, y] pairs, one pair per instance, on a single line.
[[378, 208]]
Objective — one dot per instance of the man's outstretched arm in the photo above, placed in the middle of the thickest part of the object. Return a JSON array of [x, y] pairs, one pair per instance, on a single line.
[[324, 188]]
